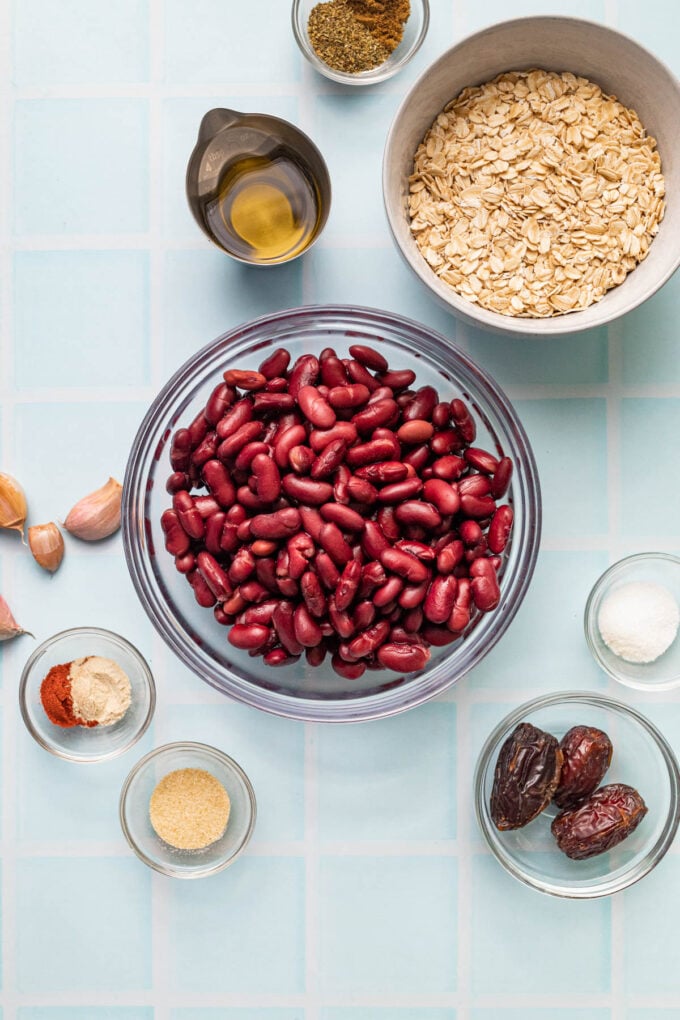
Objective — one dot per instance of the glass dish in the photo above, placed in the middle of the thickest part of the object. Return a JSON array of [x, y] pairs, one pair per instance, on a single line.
[[155, 852], [664, 673], [80, 743], [415, 31], [299, 690], [642, 758]]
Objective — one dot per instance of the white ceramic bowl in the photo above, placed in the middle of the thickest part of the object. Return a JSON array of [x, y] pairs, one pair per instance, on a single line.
[[621, 67]]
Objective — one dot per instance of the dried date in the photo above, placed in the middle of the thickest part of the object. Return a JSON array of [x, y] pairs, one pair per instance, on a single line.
[[587, 756], [526, 776], [602, 821]]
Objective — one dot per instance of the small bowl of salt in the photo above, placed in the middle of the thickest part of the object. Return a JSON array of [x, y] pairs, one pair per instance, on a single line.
[[631, 621]]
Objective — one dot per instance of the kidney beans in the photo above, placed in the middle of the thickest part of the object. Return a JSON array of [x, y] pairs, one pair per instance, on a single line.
[[276, 364], [244, 380], [315, 407], [180, 451], [403, 658], [214, 576], [320, 506], [443, 495], [499, 529], [348, 585], [286, 441], [306, 490], [304, 372], [202, 592], [486, 593], [333, 372], [440, 599], [346, 518], [399, 491], [301, 459], [313, 595], [403, 563], [361, 491], [329, 460], [270, 402], [501, 478], [348, 395], [415, 431], [369, 357], [412, 512], [329, 575]]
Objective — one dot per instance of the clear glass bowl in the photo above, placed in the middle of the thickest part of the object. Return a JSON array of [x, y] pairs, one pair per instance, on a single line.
[[642, 758], [415, 31], [664, 673], [81, 743], [134, 810], [299, 690]]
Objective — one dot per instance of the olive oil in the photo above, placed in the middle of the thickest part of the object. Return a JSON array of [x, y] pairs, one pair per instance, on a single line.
[[266, 207]]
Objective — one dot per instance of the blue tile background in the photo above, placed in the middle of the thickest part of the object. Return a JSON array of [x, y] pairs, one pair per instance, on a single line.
[[364, 894]]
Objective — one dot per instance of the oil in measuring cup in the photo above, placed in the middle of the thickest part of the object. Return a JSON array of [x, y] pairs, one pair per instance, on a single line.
[[257, 186]]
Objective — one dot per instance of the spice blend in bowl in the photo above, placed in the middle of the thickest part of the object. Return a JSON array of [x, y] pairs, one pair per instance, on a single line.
[[189, 809], [357, 35], [535, 193], [86, 695], [91, 691]]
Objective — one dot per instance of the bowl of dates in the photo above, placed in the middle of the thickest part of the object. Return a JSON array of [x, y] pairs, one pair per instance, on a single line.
[[577, 794], [331, 513]]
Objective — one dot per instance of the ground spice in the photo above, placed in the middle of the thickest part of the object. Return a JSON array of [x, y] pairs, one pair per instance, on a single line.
[[384, 19], [341, 41], [189, 809], [55, 694]]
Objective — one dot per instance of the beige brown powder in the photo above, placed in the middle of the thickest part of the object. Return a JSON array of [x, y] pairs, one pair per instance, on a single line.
[[189, 809]]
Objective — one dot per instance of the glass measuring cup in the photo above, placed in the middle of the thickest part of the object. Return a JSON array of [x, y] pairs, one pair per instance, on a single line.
[[257, 186]]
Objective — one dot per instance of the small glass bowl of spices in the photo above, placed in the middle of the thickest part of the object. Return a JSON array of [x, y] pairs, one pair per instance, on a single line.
[[360, 42], [86, 695], [187, 810], [632, 618]]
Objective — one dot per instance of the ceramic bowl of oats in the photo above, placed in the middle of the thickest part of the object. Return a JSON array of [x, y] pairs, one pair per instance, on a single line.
[[531, 176]]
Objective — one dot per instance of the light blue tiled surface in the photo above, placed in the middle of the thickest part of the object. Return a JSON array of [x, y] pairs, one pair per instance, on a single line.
[[365, 894]]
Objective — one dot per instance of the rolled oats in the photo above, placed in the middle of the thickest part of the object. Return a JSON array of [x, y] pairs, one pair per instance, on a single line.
[[534, 194]]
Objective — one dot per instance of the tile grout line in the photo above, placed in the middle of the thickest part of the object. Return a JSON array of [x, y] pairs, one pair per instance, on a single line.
[[312, 870], [9, 709], [464, 792], [160, 920]]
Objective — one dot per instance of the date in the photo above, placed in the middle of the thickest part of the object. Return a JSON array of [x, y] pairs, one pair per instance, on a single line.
[[599, 823], [587, 754], [526, 777]]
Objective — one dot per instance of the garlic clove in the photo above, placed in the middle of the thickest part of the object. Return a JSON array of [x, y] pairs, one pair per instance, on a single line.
[[47, 545], [9, 628], [97, 515], [13, 508]]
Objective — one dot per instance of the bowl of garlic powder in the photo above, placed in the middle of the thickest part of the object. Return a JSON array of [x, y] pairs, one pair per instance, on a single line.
[[531, 176]]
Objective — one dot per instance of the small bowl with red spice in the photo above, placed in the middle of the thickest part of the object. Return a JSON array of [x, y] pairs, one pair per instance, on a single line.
[[86, 695], [355, 42]]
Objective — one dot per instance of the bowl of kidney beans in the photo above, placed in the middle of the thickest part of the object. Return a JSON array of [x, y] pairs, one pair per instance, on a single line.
[[577, 794], [331, 513]]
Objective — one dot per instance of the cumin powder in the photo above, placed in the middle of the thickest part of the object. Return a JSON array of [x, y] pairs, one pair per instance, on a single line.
[[357, 35]]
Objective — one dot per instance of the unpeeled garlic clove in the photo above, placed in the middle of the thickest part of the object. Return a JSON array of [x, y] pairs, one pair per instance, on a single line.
[[97, 515], [13, 508], [9, 628], [47, 545]]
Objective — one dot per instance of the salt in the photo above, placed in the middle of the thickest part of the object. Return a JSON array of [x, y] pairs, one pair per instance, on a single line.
[[639, 621]]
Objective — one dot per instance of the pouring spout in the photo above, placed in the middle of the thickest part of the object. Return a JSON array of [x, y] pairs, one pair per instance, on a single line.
[[215, 121]]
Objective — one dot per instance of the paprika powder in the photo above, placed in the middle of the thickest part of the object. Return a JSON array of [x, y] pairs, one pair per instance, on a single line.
[[55, 694]]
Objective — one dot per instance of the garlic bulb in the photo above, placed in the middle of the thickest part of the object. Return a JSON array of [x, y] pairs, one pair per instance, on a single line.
[[97, 515], [47, 545], [12, 504], [9, 628]]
